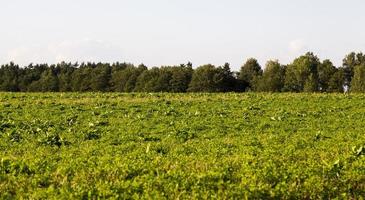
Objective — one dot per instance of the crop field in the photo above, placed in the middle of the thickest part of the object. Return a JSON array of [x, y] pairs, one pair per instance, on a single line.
[[182, 146]]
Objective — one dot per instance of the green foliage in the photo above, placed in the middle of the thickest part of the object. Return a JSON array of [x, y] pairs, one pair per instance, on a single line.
[[326, 73], [9, 77], [29, 75], [153, 80], [208, 78], [337, 81], [272, 79], [250, 72], [349, 63], [302, 74], [305, 74], [358, 81], [52, 139], [310, 84], [205, 79], [181, 146], [180, 78], [99, 78], [48, 82], [124, 80], [81, 79], [65, 76]]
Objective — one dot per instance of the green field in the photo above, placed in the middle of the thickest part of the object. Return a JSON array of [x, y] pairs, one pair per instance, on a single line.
[[182, 146]]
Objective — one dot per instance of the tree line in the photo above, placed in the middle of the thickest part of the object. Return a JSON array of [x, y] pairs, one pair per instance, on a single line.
[[306, 73]]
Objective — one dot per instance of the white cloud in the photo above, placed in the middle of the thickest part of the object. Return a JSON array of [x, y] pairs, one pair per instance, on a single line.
[[25, 54], [85, 50], [297, 46], [70, 51]]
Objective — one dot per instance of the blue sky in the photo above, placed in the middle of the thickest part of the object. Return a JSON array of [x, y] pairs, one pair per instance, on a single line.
[[168, 32]]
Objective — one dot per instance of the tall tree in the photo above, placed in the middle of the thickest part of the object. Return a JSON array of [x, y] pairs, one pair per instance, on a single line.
[[326, 71], [153, 80], [250, 72], [81, 78], [302, 74], [228, 82], [31, 73], [180, 78], [273, 77], [65, 76], [349, 63], [358, 81], [208, 78], [100, 77], [9, 77], [337, 81], [47, 83]]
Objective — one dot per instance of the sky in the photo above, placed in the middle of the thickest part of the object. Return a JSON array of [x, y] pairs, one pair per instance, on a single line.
[[171, 32]]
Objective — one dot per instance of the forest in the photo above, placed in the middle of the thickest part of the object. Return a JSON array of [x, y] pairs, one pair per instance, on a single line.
[[306, 73]]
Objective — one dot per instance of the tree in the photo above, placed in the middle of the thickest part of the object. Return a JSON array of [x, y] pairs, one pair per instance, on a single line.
[[208, 78], [124, 80], [358, 81], [349, 63], [100, 78], [47, 83], [180, 78], [65, 76], [30, 74], [302, 74], [162, 83], [228, 82], [336, 82], [9, 77], [250, 72], [310, 84], [272, 79], [120, 66], [81, 78], [153, 80], [326, 71]]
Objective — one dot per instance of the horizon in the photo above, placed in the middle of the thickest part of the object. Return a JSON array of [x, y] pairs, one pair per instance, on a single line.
[[262, 65]]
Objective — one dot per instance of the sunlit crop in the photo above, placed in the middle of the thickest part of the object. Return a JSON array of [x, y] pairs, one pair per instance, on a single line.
[[182, 146]]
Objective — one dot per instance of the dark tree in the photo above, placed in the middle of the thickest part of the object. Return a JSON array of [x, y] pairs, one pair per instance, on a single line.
[[180, 78], [326, 70], [100, 78], [305, 74], [47, 83], [30, 74], [337, 81], [228, 83], [250, 72], [124, 80], [273, 77], [9, 77], [153, 80], [65, 76], [208, 78], [81, 78], [349, 63]]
